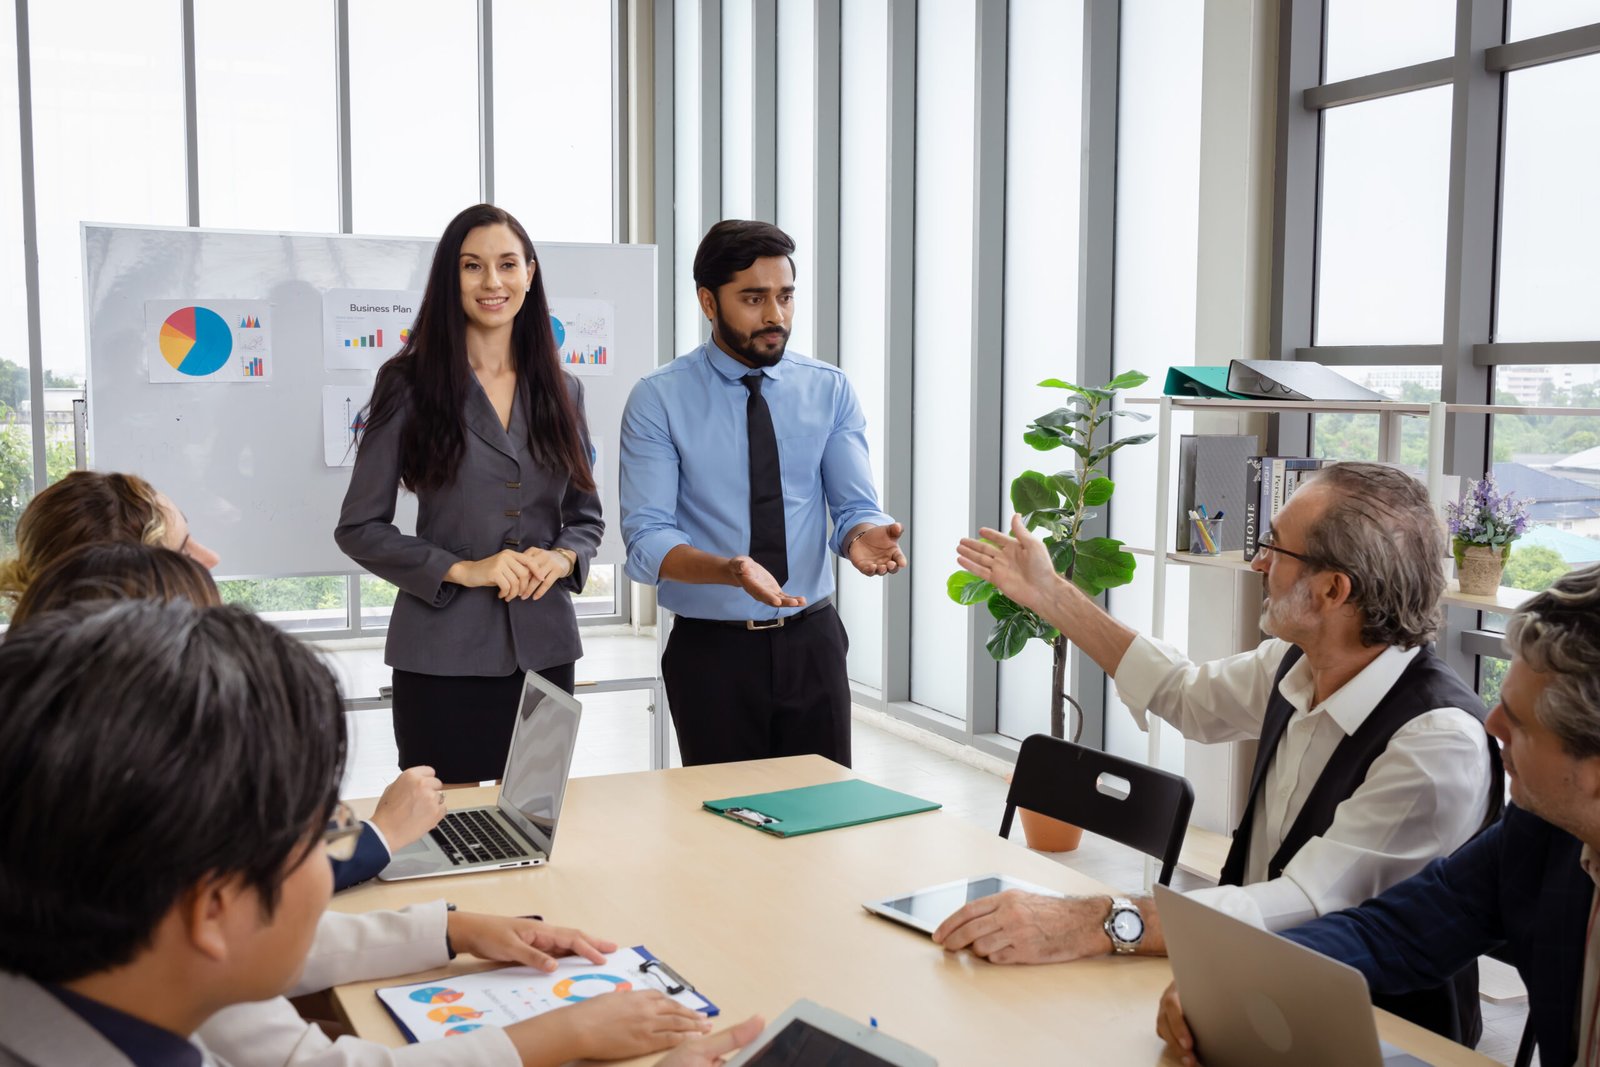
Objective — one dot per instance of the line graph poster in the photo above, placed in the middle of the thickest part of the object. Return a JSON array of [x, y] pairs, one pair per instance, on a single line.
[[585, 331], [207, 341], [341, 417], [363, 327]]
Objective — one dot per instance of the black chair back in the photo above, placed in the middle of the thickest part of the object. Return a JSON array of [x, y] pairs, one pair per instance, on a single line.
[[1150, 812]]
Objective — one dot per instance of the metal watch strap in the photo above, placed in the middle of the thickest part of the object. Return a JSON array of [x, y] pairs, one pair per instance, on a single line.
[[1118, 946]]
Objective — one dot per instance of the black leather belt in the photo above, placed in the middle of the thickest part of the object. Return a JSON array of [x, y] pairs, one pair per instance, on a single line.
[[766, 624]]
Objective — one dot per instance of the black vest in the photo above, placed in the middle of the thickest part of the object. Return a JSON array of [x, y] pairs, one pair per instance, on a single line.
[[1426, 683]]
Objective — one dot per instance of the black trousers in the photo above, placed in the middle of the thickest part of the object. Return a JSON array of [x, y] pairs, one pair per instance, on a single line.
[[461, 726], [740, 694]]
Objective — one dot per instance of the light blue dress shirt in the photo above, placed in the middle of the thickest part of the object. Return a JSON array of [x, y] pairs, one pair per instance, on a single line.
[[685, 462]]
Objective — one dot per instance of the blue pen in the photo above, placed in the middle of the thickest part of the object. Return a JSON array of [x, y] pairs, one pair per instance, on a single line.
[[873, 1019], [1202, 510]]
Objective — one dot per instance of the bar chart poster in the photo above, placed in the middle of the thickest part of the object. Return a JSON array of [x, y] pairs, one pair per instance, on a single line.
[[363, 327], [342, 407], [584, 331], [195, 342]]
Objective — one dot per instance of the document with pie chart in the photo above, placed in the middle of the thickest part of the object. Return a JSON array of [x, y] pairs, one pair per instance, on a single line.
[[461, 1003], [208, 341]]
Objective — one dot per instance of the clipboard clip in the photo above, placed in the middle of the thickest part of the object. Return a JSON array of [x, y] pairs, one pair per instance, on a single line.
[[750, 816], [671, 981]]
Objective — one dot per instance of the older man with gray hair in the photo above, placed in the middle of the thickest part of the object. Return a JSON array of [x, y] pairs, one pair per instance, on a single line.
[[1530, 882], [1373, 757]]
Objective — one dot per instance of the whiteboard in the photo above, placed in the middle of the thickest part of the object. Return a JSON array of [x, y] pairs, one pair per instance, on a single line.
[[244, 459]]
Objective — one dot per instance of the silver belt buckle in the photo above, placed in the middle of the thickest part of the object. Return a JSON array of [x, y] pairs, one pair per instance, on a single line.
[[766, 624]]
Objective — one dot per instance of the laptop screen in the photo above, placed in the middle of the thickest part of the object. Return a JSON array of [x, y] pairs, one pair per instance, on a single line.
[[542, 744]]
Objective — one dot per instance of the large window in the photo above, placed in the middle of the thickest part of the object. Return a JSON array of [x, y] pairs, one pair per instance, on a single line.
[[267, 133], [1454, 256], [413, 125], [111, 144]]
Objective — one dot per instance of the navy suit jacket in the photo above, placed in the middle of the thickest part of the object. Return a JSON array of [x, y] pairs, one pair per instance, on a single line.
[[1518, 885], [370, 858]]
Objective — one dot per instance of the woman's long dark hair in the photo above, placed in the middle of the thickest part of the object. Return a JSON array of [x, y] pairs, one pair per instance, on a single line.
[[431, 374]]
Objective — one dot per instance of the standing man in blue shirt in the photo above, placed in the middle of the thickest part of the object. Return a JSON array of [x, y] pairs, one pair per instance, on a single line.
[[735, 457]]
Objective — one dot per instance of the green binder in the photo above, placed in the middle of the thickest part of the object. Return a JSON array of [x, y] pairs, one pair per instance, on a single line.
[[791, 812], [1207, 382]]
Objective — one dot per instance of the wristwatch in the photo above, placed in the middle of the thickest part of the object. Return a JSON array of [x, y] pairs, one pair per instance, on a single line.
[[1124, 926]]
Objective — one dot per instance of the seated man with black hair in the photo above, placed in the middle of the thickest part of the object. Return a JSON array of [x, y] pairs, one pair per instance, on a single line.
[[164, 854]]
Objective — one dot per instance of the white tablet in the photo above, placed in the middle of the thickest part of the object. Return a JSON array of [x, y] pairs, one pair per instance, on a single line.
[[926, 908], [809, 1034]]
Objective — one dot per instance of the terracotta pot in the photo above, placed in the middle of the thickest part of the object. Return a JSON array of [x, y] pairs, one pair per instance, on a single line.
[[1480, 569], [1045, 834]]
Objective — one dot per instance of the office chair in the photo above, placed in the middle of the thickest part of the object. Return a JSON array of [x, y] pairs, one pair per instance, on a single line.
[[1081, 786]]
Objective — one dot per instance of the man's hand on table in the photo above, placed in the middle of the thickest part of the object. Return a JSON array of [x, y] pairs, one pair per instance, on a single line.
[[1172, 1028], [528, 942], [1019, 927]]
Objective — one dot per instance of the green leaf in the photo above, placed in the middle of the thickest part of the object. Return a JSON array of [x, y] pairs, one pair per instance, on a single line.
[[1128, 379], [1087, 392], [1059, 418], [1062, 554], [1032, 491], [1098, 492], [1101, 565], [966, 588], [1119, 413], [1099, 454], [1010, 635], [1043, 440], [1002, 606], [1065, 483]]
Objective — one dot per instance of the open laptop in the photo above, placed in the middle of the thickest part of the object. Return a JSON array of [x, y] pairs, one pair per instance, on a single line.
[[520, 829], [1253, 998]]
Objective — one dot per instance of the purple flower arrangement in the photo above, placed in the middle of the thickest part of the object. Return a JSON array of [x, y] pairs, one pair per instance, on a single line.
[[1486, 516]]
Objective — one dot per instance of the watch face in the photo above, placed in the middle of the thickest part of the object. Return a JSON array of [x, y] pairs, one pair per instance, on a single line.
[[1127, 925]]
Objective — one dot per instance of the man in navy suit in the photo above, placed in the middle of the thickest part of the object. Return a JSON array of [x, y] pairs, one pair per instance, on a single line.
[[1528, 882]]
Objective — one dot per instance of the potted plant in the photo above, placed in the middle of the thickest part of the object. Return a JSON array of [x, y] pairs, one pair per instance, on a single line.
[[1058, 504], [1483, 524]]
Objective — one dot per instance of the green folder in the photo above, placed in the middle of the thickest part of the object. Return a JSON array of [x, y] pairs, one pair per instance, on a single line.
[[1208, 382], [792, 812]]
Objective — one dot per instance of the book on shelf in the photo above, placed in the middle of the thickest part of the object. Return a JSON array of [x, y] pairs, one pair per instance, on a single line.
[[1208, 476], [1269, 483]]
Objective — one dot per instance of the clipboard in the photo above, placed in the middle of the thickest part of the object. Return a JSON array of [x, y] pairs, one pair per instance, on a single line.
[[458, 1004], [813, 808]]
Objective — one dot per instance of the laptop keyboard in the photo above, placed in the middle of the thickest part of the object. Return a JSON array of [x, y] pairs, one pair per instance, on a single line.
[[474, 837]]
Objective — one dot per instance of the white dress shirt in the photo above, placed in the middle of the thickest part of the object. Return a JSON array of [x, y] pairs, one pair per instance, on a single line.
[[353, 948], [1425, 794]]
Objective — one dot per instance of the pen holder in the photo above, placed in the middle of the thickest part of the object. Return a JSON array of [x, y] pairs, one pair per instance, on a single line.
[[1205, 537]]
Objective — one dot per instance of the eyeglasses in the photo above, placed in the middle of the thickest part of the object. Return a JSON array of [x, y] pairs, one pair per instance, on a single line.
[[339, 839], [1268, 542]]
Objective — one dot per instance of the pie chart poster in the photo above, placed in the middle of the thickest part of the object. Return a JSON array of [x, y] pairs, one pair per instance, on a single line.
[[197, 342]]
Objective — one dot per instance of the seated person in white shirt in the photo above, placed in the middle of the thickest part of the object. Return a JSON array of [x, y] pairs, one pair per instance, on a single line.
[[1374, 759], [165, 854]]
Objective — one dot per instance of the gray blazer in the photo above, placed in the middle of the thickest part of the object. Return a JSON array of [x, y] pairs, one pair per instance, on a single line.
[[500, 498], [36, 1030]]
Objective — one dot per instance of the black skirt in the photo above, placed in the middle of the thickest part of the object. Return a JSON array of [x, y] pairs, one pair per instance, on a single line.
[[461, 726]]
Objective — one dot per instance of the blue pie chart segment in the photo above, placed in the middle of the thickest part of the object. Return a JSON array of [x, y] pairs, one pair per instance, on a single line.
[[559, 330], [196, 341]]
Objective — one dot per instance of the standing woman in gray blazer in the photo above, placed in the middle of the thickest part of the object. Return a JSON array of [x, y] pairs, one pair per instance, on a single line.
[[476, 417]]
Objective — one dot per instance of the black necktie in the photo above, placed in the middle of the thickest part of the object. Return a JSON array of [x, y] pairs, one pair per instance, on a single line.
[[769, 546]]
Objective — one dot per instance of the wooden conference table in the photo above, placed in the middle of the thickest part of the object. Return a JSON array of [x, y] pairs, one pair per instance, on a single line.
[[756, 922]]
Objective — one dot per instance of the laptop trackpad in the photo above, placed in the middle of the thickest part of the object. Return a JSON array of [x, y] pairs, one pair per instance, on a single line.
[[1399, 1057]]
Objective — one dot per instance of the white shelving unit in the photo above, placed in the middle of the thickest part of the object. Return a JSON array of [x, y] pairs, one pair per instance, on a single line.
[[1390, 415]]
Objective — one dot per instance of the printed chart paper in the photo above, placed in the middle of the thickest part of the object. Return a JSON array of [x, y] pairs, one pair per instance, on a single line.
[[447, 1007], [584, 332], [208, 341], [342, 406], [363, 327]]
